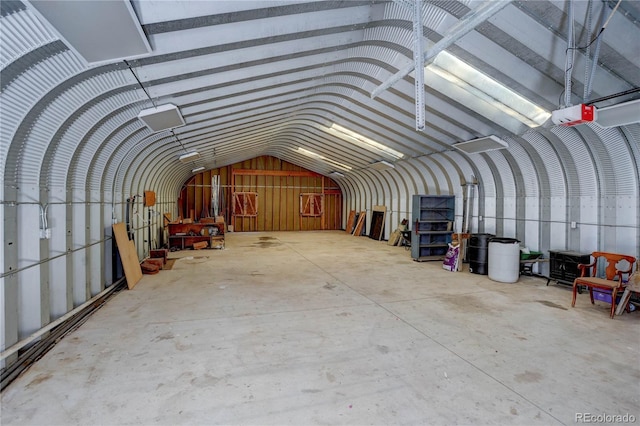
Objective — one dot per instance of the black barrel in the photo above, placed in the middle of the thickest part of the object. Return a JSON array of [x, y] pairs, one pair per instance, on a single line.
[[478, 253]]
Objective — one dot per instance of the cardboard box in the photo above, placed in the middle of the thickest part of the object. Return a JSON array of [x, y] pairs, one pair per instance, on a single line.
[[217, 242], [200, 245]]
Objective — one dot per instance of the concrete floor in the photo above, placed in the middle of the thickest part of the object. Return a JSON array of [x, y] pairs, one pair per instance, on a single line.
[[327, 328]]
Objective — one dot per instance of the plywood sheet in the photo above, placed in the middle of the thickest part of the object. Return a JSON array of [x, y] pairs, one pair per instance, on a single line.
[[351, 222], [128, 255], [394, 238], [360, 225], [167, 218]]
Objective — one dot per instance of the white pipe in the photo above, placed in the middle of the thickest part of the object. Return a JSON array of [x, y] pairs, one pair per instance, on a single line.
[[569, 57], [469, 206], [464, 208], [587, 51], [43, 216], [418, 65], [611, 16]]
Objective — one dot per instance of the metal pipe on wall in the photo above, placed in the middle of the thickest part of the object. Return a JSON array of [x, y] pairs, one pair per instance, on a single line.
[[469, 206], [40, 262], [468, 193]]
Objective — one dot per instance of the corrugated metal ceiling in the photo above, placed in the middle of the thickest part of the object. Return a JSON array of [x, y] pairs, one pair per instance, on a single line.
[[255, 78], [228, 65]]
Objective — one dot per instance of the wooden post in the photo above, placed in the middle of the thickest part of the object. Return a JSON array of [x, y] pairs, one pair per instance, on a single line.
[[322, 223], [233, 190]]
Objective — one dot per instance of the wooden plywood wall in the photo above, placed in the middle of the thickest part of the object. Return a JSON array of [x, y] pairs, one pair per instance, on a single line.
[[278, 185]]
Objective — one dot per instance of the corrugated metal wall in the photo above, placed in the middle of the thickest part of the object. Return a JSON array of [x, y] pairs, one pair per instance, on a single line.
[[546, 190], [265, 82]]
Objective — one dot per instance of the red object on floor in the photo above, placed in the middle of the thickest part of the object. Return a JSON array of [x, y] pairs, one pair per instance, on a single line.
[[149, 268]]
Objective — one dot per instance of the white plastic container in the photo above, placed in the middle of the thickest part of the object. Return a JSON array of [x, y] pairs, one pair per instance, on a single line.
[[504, 260]]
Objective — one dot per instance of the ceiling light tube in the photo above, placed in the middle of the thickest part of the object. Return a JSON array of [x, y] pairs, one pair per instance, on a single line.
[[364, 142], [309, 153], [312, 154], [382, 165], [197, 169], [485, 88]]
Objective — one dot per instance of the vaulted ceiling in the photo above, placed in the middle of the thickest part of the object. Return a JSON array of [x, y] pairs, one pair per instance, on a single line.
[[270, 77]]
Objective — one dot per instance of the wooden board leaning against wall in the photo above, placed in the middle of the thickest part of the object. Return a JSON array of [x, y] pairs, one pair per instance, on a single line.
[[279, 186]]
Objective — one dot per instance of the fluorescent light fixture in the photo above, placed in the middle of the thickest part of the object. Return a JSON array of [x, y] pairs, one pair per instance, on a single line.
[[312, 154], [163, 117], [363, 141], [189, 156], [197, 169], [619, 115], [488, 90], [336, 175], [99, 31], [488, 143], [382, 165]]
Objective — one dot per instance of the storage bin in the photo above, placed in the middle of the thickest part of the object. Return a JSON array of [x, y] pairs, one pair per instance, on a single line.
[[504, 260], [605, 296]]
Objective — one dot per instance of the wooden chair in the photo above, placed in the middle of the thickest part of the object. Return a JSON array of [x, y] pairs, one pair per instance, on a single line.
[[615, 268]]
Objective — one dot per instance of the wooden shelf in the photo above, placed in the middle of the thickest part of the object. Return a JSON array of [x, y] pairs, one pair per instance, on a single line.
[[184, 235]]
